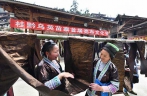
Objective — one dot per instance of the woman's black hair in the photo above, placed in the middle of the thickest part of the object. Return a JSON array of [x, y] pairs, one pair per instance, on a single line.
[[47, 47]]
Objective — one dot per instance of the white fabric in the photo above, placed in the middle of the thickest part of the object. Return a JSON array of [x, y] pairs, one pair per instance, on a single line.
[[81, 93], [101, 66]]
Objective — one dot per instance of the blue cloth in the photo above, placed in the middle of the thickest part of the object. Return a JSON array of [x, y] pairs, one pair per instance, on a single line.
[[125, 90], [5, 94], [102, 84]]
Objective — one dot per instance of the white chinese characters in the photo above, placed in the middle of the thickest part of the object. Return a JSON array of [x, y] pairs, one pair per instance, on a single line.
[[80, 30], [66, 29], [56, 28], [20, 24], [73, 30], [31, 25], [50, 27], [41, 26]]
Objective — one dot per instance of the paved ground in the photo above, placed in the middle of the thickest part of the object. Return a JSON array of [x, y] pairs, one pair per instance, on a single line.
[[23, 89]]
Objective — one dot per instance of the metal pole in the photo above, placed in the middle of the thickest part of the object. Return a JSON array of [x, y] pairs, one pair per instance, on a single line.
[[46, 36]]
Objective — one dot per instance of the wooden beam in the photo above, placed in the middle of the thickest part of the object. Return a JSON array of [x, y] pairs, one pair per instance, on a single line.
[[25, 30], [36, 18], [73, 17], [16, 13], [31, 19], [120, 27], [106, 26], [23, 16], [62, 19], [31, 15], [21, 12], [36, 15], [42, 32]]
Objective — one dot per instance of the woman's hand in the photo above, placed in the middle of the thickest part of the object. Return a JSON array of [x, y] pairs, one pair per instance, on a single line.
[[95, 87], [65, 75]]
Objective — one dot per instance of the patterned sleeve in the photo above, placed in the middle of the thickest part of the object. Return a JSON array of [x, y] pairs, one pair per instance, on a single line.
[[53, 83], [44, 77], [114, 86]]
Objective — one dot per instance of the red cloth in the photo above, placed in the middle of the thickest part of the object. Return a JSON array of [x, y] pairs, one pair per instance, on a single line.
[[10, 92]]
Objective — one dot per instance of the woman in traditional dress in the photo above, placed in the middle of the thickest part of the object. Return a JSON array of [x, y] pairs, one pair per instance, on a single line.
[[105, 75], [49, 72]]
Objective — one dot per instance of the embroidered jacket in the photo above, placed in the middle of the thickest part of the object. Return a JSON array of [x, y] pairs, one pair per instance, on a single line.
[[111, 76], [48, 76]]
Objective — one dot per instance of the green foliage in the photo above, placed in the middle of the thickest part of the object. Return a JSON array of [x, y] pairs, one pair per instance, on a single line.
[[86, 12], [18, 30], [74, 7]]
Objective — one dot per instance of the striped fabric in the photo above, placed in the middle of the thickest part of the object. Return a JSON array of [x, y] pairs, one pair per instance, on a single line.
[[53, 83], [112, 88], [52, 64]]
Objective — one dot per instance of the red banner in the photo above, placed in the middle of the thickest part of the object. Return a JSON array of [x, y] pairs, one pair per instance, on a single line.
[[55, 28], [138, 38]]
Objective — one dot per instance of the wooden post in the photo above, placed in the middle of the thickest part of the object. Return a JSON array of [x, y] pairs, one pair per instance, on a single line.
[[81, 35], [12, 29], [31, 19], [42, 32], [25, 30]]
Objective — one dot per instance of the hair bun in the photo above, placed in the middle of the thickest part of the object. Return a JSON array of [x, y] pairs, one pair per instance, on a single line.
[[46, 46], [51, 41]]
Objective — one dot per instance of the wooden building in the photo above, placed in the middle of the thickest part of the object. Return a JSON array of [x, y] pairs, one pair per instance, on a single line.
[[125, 22], [36, 13], [137, 32]]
